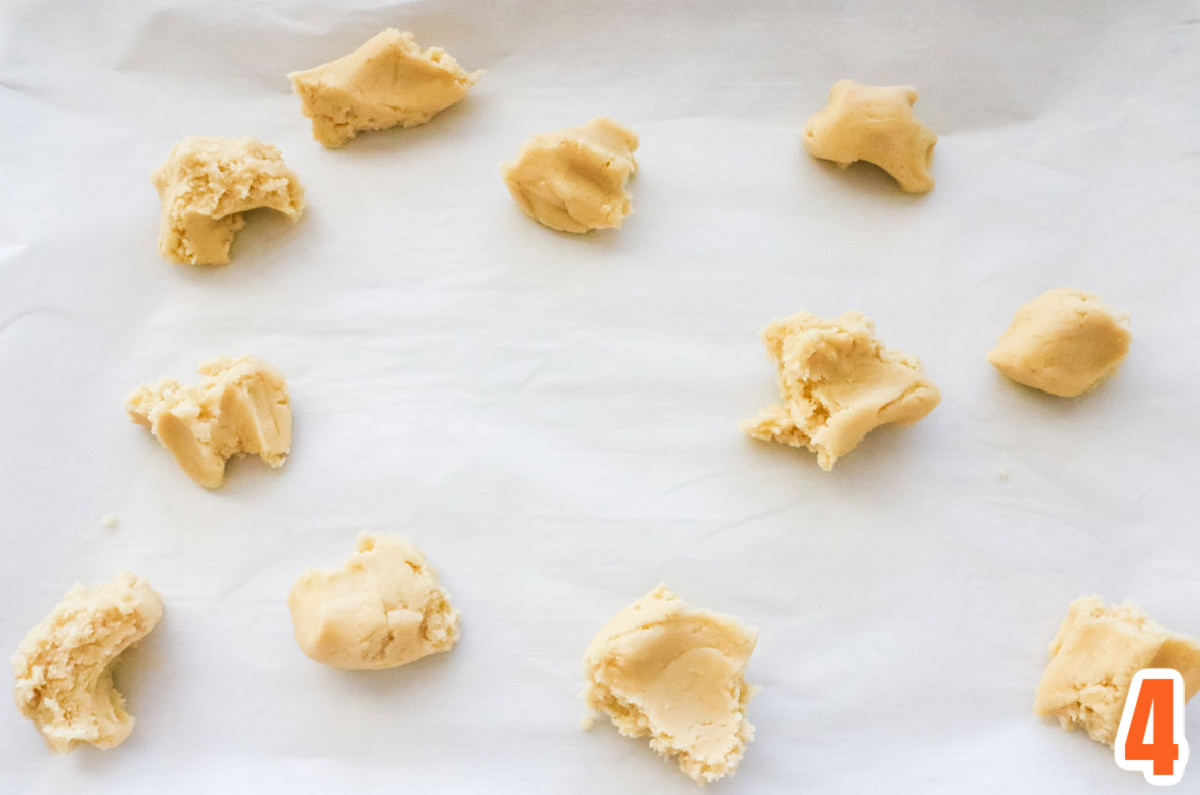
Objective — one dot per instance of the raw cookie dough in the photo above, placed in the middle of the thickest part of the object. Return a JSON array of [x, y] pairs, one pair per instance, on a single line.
[[384, 607], [838, 381], [63, 667], [207, 184], [574, 180], [1065, 342], [875, 124], [241, 406], [674, 672], [1093, 659], [386, 82]]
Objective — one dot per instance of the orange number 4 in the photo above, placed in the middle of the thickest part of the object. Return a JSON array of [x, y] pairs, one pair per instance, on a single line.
[[1154, 709]]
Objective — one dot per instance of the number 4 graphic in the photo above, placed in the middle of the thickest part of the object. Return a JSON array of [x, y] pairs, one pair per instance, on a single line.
[[1155, 702]]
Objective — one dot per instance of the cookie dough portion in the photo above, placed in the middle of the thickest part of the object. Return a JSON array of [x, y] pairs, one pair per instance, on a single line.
[[63, 667], [384, 607], [1094, 657], [875, 124], [386, 82], [674, 672], [1065, 342], [206, 185], [240, 407], [838, 381], [574, 180]]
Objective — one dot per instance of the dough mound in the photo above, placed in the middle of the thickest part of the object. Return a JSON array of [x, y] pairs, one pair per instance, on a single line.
[[241, 406], [386, 82], [838, 382], [875, 124], [63, 667], [384, 607], [1065, 342], [674, 672], [574, 180], [1093, 659], [207, 183]]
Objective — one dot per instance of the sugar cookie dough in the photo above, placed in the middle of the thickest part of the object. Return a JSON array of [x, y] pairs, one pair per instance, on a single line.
[[574, 180], [1093, 659], [241, 407], [838, 381], [875, 124], [382, 608], [674, 672], [63, 667], [386, 82], [206, 185], [1065, 342]]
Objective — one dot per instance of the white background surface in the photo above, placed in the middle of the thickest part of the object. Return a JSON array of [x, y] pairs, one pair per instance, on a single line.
[[552, 418]]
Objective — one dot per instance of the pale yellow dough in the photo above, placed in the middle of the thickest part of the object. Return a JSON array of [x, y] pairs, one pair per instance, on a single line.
[[574, 180], [1093, 658], [63, 667], [875, 124], [206, 185], [674, 672], [241, 406], [387, 82], [838, 381], [384, 607], [1065, 342]]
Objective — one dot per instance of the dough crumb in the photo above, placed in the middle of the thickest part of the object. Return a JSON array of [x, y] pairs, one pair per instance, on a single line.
[[109, 522], [63, 667], [574, 180], [838, 382], [674, 672], [874, 124], [241, 407], [1003, 474], [207, 184], [1093, 658], [387, 82], [384, 607]]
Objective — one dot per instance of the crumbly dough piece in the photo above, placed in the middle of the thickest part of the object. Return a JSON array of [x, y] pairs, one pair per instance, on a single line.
[[386, 82], [574, 180], [63, 667], [1093, 659], [241, 407], [1065, 342], [838, 381], [875, 124], [674, 672], [384, 607], [206, 185]]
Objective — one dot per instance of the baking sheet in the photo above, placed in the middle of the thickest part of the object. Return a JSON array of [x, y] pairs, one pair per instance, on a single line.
[[552, 418]]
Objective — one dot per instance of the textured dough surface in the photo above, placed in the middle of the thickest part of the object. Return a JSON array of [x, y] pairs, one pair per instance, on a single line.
[[63, 667], [206, 184], [240, 407], [384, 607], [387, 82], [574, 180], [1065, 342], [838, 381], [674, 672], [874, 124], [1093, 658]]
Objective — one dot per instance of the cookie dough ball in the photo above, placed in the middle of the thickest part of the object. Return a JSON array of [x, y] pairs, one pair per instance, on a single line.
[[674, 672], [384, 607], [875, 124], [63, 667], [838, 382], [206, 185], [387, 82], [1065, 342], [574, 180], [1093, 658]]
